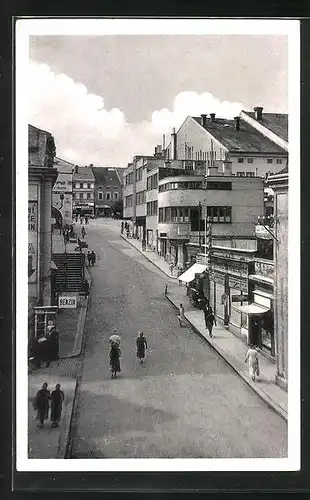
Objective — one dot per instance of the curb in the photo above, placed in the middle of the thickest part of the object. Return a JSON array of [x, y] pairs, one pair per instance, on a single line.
[[274, 406], [148, 258]]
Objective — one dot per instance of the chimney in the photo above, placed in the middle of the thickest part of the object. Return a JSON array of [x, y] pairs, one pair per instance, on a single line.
[[174, 144], [91, 165], [212, 116], [203, 120], [164, 141], [237, 122], [258, 113]]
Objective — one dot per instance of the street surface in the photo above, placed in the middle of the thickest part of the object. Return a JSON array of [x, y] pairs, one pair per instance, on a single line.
[[185, 401]]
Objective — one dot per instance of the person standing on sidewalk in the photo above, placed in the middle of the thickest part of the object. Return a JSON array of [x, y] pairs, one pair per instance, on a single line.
[[57, 398], [83, 232], [141, 344], [93, 258], [171, 267], [54, 344], [41, 404], [252, 359], [181, 316]]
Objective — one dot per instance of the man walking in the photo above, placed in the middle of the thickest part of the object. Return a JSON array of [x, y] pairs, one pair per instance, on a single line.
[[93, 257], [57, 398], [209, 320], [41, 404]]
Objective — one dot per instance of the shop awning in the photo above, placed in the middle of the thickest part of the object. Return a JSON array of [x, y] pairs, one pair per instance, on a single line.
[[189, 275], [252, 308]]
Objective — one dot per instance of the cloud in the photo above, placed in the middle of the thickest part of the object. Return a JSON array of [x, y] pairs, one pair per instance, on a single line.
[[86, 132], [194, 104]]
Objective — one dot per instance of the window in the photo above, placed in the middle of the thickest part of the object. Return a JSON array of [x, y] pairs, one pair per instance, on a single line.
[[100, 187], [139, 174], [108, 196], [92, 185], [115, 196], [161, 215], [219, 214], [240, 160], [100, 196], [85, 196], [88, 196], [108, 187], [250, 160], [128, 201], [89, 185], [77, 185], [77, 196], [151, 207], [222, 186], [84, 185], [250, 174], [269, 160], [240, 174], [279, 161]]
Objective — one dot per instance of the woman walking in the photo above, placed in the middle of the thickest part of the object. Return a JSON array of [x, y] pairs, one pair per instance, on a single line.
[[252, 359], [141, 344], [57, 398], [115, 354]]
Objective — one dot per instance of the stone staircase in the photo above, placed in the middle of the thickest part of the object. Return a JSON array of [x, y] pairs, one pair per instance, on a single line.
[[70, 273]]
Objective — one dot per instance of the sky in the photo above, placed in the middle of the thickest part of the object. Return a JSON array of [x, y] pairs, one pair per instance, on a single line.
[[108, 98]]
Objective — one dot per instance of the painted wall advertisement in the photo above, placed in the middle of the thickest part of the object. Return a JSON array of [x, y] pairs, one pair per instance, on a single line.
[[32, 241]]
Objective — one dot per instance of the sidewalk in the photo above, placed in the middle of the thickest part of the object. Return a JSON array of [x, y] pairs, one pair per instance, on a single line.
[[152, 257], [231, 348]]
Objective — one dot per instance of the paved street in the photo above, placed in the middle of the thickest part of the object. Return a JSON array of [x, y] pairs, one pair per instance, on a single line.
[[185, 401]]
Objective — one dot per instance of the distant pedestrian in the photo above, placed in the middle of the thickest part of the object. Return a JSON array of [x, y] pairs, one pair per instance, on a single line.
[[93, 258], [83, 232], [76, 218], [41, 404], [127, 231], [181, 315], [89, 258], [86, 219], [122, 227], [57, 398], [141, 344], [210, 322], [85, 287], [115, 354], [171, 267], [54, 344], [252, 358]]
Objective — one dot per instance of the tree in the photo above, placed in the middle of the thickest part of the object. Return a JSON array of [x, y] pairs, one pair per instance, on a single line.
[[117, 207]]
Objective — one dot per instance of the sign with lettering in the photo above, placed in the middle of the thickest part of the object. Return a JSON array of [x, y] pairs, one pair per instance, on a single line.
[[67, 301], [239, 298], [217, 278], [238, 283], [32, 241]]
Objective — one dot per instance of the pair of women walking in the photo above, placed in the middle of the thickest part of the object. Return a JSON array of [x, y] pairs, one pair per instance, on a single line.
[[115, 351]]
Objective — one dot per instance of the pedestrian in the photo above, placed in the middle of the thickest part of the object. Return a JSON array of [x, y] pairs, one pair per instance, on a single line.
[[252, 358], [76, 218], [181, 316], [115, 354], [57, 398], [127, 231], [83, 232], [41, 404], [89, 258], [54, 344], [141, 344], [93, 257], [210, 321], [171, 266], [85, 287], [122, 227], [86, 219]]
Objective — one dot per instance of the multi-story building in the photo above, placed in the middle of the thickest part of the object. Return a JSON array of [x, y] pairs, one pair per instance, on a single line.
[[62, 193], [83, 191], [108, 191], [41, 176], [251, 150]]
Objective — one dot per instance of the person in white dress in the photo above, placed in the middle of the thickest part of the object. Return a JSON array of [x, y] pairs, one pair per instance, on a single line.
[[252, 359]]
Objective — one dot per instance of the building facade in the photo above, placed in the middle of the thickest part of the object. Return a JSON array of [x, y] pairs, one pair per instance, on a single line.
[[62, 193], [83, 191], [108, 191], [42, 175]]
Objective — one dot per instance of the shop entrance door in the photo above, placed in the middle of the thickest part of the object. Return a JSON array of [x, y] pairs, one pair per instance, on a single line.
[[255, 331]]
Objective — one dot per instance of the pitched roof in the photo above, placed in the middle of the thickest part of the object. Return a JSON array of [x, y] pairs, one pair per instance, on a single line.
[[245, 140], [276, 122], [63, 166], [83, 174], [106, 176]]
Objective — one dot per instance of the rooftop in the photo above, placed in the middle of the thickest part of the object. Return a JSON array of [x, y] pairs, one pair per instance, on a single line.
[[83, 173], [275, 122], [245, 140], [106, 176], [63, 166]]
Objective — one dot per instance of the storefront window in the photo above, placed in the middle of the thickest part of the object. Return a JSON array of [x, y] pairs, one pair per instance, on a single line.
[[268, 331]]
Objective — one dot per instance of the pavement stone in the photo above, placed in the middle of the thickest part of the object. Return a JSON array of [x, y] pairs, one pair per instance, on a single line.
[[230, 348]]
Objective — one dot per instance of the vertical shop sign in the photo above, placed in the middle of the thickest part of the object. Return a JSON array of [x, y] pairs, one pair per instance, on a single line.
[[32, 241]]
